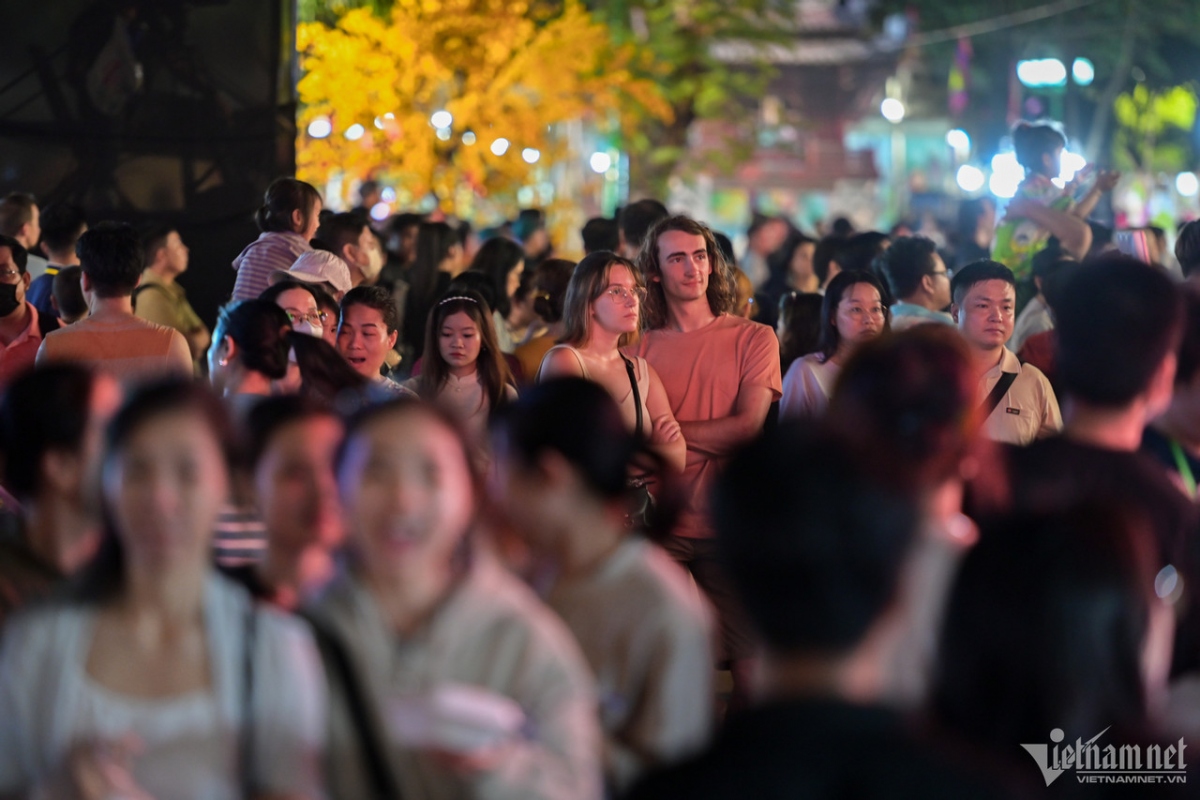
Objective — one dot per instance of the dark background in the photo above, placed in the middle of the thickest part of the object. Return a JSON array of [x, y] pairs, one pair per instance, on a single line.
[[211, 125]]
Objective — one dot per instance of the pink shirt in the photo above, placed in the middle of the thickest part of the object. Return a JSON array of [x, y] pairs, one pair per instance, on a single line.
[[702, 372], [20, 353]]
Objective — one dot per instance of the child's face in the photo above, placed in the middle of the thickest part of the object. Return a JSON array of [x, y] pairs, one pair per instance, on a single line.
[[459, 340], [1052, 163]]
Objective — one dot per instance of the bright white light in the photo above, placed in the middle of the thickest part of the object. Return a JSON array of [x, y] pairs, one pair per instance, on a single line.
[[468, 138], [1187, 184], [1071, 163], [958, 139], [441, 119], [530, 155], [380, 121], [380, 211], [1007, 175], [500, 147], [320, 127], [1083, 71], [970, 179], [355, 132], [600, 162], [388, 194], [443, 134], [1042, 72], [892, 109]]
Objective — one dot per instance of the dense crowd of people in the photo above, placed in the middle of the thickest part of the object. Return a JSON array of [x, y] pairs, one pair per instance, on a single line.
[[434, 513]]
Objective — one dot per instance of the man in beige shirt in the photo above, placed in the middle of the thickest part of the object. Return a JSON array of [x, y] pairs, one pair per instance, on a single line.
[[112, 339], [159, 298], [1017, 398]]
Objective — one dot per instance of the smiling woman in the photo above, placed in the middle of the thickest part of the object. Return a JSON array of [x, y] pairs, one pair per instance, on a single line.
[[137, 684], [440, 636]]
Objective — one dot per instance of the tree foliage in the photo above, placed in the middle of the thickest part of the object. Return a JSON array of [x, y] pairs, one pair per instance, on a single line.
[[696, 83], [503, 69], [1153, 129]]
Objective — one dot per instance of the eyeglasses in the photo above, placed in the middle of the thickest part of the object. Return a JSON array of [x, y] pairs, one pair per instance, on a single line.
[[312, 318], [949, 273], [10, 275], [621, 294]]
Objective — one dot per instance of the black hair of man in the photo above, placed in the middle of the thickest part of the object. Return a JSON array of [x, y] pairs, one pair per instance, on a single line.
[[638, 218], [1187, 247], [978, 272], [111, 257], [829, 250], [906, 262], [1116, 321], [340, 230], [62, 224], [601, 233], [812, 546], [16, 210], [19, 254], [154, 238], [375, 297], [68, 293]]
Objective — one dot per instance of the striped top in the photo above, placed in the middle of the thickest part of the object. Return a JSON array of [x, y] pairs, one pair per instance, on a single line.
[[130, 349], [267, 253]]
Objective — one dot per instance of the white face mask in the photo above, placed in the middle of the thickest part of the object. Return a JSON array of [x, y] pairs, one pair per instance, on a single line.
[[307, 327], [374, 264]]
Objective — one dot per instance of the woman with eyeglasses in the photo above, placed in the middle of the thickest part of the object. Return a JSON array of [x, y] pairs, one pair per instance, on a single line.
[[852, 312], [301, 302], [602, 314]]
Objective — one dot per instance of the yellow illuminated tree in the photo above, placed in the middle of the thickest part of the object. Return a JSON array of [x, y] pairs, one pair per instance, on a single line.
[[502, 70]]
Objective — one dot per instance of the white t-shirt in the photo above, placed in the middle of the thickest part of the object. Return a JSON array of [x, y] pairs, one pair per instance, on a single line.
[[192, 742], [807, 386]]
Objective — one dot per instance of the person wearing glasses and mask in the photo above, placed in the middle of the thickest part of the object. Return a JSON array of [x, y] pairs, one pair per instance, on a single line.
[[601, 314], [919, 281]]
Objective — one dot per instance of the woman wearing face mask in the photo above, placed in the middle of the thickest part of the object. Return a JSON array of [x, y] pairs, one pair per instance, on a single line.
[[852, 312], [300, 302], [562, 453], [156, 677], [466, 685]]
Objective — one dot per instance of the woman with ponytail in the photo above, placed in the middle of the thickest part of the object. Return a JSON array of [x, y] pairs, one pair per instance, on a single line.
[[562, 453]]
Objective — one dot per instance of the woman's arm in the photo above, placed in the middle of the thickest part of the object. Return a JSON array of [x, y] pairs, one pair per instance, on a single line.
[[666, 438], [1106, 181]]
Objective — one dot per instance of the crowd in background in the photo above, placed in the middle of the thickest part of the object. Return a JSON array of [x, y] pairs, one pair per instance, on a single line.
[[435, 513]]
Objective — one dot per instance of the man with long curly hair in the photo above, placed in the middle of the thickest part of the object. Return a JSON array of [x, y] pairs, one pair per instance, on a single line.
[[721, 374]]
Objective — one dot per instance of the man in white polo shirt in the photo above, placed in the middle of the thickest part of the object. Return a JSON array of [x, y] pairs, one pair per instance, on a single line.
[[1017, 398]]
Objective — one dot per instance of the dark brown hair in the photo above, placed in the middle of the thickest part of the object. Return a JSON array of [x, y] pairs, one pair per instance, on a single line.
[[282, 197], [490, 366], [722, 290]]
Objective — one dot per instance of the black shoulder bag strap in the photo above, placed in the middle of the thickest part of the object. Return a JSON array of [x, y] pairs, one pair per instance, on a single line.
[[337, 662], [997, 393], [637, 395]]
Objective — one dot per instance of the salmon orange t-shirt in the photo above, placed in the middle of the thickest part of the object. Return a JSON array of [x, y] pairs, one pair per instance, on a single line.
[[702, 372]]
